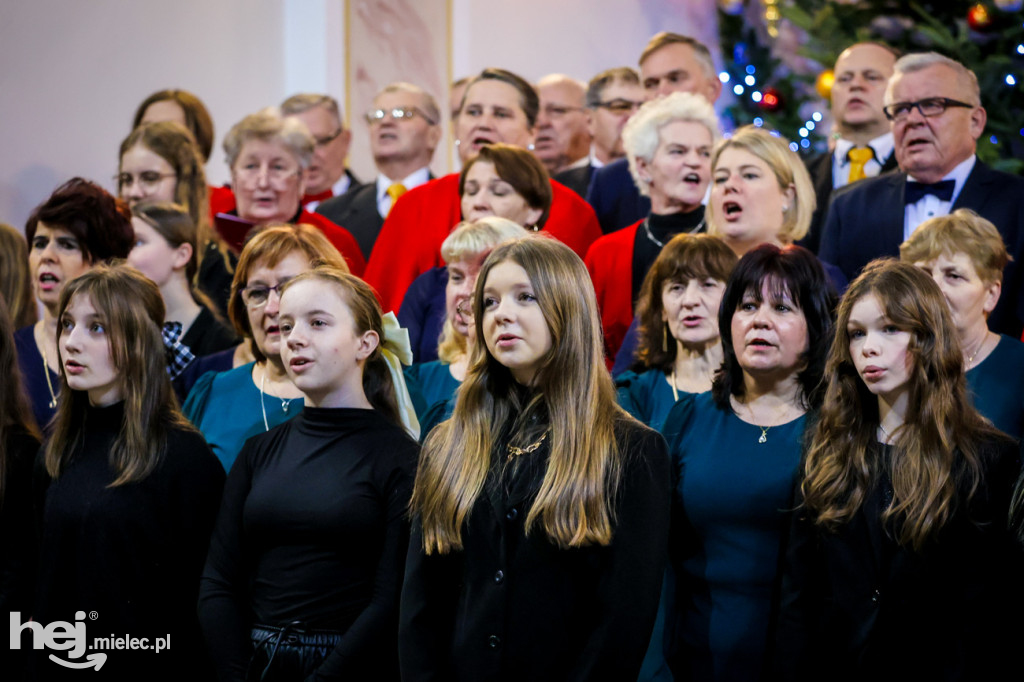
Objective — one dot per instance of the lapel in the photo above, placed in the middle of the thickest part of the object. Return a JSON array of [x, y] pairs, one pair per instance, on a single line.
[[977, 188], [886, 210], [890, 163]]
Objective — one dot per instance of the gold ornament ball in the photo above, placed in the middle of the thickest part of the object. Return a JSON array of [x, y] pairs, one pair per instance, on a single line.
[[824, 83]]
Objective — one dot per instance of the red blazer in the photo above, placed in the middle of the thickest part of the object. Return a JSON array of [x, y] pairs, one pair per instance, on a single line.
[[409, 243], [222, 200], [610, 262]]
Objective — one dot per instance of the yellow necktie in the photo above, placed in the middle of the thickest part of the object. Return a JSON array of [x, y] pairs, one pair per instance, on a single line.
[[396, 190], [859, 157]]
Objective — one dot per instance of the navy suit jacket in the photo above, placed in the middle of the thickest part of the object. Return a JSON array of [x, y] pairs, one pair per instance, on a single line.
[[865, 221], [614, 197]]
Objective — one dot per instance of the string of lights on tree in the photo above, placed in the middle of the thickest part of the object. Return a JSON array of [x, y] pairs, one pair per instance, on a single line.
[[788, 93]]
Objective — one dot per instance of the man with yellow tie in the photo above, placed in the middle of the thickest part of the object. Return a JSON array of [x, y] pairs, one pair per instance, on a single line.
[[404, 128], [863, 145]]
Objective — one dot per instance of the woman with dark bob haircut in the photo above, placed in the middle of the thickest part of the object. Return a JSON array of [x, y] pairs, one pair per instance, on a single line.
[[79, 226], [530, 201], [735, 453], [900, 562]]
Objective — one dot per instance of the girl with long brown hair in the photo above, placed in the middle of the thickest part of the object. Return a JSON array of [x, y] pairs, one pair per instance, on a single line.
[[131, 489], [900, 563], [540, 508]]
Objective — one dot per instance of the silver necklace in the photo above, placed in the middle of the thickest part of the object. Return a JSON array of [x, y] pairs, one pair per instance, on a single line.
[[285, 403], [661, 244]]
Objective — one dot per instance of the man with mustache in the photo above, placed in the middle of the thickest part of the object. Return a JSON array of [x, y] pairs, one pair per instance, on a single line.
[[934, 106]]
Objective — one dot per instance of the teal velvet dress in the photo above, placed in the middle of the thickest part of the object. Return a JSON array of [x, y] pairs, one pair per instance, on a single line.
[[995, 385]]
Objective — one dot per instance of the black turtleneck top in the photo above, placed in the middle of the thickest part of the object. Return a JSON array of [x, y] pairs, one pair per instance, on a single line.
[[313, 528], [662, 228], [130, 554]]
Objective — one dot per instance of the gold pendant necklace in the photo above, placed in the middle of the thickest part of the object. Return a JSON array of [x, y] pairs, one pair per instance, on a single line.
[[514, 451]]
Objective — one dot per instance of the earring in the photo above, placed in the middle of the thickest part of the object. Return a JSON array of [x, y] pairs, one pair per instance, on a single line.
[[785, 209], [530, 147], [458, 142]]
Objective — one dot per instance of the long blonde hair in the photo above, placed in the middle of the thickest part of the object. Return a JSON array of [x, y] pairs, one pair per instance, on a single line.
[[574, 502]]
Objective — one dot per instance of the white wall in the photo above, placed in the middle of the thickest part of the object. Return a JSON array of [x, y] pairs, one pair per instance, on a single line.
[[73, 71]]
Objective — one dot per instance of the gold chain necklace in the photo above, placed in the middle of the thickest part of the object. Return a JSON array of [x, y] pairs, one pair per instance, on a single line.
[[514, 451], [49, 383]]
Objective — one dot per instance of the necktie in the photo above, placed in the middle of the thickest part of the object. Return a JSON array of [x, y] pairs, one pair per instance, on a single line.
[[918, 190], [179, 356], [858, 157], [395, 191]]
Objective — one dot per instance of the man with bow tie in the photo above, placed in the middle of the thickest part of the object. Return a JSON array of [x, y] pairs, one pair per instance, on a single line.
[[933, 104]]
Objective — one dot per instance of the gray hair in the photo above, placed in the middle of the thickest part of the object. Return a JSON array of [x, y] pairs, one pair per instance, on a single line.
[[302, 102], [967, 80], [429, 103], [269, 126], [597, 84], [642, 133]]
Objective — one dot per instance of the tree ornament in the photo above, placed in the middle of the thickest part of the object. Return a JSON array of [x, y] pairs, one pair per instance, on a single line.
[[731, 7], [824, 83], [1009, 5], [978, 18], [771, 100]]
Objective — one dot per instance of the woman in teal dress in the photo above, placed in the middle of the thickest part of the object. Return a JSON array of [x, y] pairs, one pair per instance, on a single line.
[[735, 454], [464, 250], [679, 347], [231, 407], [965, 255]]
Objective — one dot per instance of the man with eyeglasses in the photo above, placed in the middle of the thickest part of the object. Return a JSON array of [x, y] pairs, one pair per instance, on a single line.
[[404, 127], [670, 63], [612, 97], [563, 139], [863, 145], [934, 106], [327, 176]]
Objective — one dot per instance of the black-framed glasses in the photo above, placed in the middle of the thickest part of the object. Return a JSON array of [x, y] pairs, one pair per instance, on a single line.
[[619, 106], [929, 107], [324, 141], [398, 113], [147, 180], [258, 295]]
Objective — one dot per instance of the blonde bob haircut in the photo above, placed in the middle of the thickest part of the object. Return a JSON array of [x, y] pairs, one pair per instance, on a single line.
[[789, 171], [270, 245], [962, 231], [469, 240], [574, 503], [269, 126], [132, 312], [642, 134]]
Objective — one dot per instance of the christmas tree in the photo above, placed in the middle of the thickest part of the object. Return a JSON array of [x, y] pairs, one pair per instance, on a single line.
[[782, 54]]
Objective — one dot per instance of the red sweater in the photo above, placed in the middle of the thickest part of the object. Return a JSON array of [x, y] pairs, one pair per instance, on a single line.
[[409, 244], [610, 262]]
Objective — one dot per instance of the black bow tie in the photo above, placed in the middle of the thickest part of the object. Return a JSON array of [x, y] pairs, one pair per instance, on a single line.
[[918, 190]]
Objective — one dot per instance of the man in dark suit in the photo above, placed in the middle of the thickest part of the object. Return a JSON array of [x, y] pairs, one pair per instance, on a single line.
[[612, 97], [327, 176], [670, 63], [934, 105], [863, 146], [404, 132]]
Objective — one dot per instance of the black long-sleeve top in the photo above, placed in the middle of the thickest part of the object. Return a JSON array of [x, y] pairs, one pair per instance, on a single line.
[[313, 528], [131, 554], [511, 606]]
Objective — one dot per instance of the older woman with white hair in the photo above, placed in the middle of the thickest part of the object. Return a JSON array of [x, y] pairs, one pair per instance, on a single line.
[[668, 144], [269, 156]]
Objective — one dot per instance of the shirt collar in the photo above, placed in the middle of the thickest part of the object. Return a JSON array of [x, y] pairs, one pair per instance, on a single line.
[[882, 146], [414, 179]]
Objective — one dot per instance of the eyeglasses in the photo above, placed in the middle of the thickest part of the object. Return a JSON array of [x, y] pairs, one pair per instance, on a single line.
[[324, 141], [276, 173], [465, 309], [147, 180], [398, 113], [619, 106], [258, 295], [932, 106], [558, 111]]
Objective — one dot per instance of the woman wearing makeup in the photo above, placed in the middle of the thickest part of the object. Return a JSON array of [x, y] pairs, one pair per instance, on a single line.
[[498, 106], [77, 228], [304, 573], [900, 562], [736, 450], [534, 501], [128, 489]]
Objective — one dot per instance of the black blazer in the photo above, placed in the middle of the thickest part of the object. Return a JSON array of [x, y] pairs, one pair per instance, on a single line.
[[515, 607], [820, 168], [576, 179], [855, 605], [865, 221]]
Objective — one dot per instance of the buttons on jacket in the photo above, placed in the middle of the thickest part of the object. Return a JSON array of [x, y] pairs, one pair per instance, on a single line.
[[494, 641], [512, 514], [499, 577], [876, 595]]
